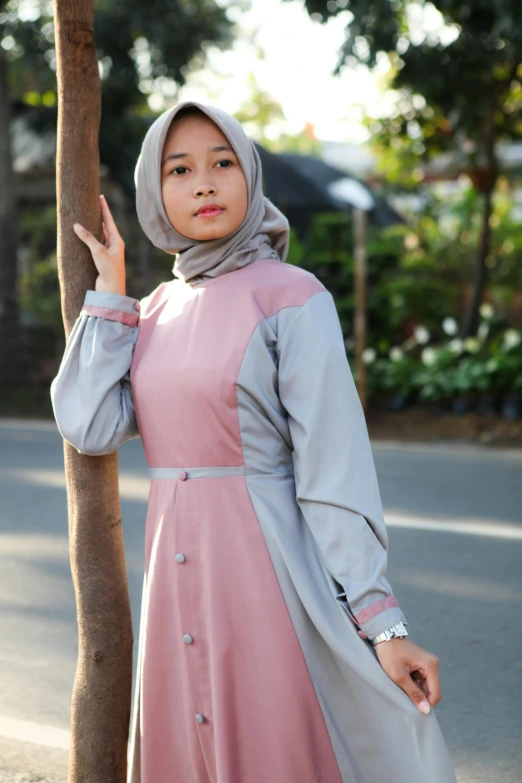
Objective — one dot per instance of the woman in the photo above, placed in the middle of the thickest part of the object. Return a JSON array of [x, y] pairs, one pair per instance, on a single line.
[[272, 649]]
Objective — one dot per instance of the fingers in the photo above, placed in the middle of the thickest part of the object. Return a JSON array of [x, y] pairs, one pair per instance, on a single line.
[[112, 231], [431, 676], [415, 693], [86, 236], [425, 683], [421, 682], [415, 670], [111, 235], [108, 257]]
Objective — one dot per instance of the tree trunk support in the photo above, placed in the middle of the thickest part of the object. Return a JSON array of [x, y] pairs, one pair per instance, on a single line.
[[101, 699]]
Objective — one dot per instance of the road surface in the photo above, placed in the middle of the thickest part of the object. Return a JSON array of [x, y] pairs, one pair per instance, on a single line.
[[454, 514]]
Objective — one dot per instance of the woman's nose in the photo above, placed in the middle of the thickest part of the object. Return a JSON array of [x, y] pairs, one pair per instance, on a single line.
[[205, 190]]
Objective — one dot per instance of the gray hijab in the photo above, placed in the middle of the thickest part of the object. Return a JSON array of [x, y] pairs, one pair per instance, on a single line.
[[263, 234]]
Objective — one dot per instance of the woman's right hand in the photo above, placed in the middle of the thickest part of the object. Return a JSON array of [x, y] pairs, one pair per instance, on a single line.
[[109, 257]]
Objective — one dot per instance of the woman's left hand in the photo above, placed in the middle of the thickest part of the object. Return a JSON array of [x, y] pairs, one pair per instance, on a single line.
[[415, 670]]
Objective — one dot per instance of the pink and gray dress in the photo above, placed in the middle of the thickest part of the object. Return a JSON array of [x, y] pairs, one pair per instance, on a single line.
[[265, 544]]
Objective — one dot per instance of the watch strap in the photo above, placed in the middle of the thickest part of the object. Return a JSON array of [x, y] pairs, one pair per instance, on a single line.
[[396, 631]]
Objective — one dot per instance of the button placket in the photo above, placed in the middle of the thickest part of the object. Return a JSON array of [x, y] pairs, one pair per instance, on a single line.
[[187, 638]]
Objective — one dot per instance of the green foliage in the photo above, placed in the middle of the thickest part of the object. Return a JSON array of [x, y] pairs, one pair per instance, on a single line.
[[416, 279], [140, 49], [455, 69], [393, 377], [39, 289], [504, 366], [326, 250], [417, 272], [492, 363], [468, 376], [40, 298], [434, 381], [447, 374], [435, 256]]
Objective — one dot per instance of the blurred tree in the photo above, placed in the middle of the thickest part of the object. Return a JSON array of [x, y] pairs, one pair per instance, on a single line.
[[8, 237], [264, 120], [456, 65]]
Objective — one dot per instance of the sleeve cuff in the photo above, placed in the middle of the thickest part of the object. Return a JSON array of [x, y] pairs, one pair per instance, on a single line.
[[378, 616], [112, 307]]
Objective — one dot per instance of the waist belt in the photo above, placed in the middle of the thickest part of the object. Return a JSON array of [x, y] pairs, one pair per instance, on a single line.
[[190, 473], [185, 473]]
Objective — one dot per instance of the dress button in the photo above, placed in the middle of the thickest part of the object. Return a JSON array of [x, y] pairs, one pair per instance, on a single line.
[[182, 476], [200, 718], [187, 638], [179, 558]]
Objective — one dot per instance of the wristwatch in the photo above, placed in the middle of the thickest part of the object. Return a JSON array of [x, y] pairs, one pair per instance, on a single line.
[[395, 632]]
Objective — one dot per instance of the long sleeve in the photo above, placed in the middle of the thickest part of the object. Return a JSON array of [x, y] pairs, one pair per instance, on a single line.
[[336, 481], [91, 393]]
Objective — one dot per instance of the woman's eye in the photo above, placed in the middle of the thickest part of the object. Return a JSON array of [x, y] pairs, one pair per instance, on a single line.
[[182, 169]]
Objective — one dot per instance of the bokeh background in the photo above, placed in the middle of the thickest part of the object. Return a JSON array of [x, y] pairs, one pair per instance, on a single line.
[[407, 109], [404, 112]]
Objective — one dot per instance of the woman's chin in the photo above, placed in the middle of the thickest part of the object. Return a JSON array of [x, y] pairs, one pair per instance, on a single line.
[[209, 233], [202, 231]]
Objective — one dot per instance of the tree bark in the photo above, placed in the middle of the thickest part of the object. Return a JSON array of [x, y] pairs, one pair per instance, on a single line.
[[100, 709], [9, 361], [470, 319], [484, 179]]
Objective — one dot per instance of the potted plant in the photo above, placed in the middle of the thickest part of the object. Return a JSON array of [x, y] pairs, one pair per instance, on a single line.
[[374, 384], [397, 379], [469, 378], [505, 373], [434, 380], [504, 369], [512, 402], [487, 399]]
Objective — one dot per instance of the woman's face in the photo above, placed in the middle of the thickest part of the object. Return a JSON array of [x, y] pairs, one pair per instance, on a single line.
[[200, 169]]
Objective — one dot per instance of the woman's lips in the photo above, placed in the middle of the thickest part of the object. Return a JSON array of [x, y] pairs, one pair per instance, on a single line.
[[208, 213]]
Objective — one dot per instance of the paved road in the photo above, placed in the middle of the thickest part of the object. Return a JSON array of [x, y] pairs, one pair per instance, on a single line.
[[455, 524]]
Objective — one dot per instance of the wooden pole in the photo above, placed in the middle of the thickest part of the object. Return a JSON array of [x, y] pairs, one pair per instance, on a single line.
[[101, 698], [360, 222]]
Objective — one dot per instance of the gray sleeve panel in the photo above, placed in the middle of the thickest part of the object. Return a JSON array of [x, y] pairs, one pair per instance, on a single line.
[[265, 437], [91, 393], [336, 481]]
